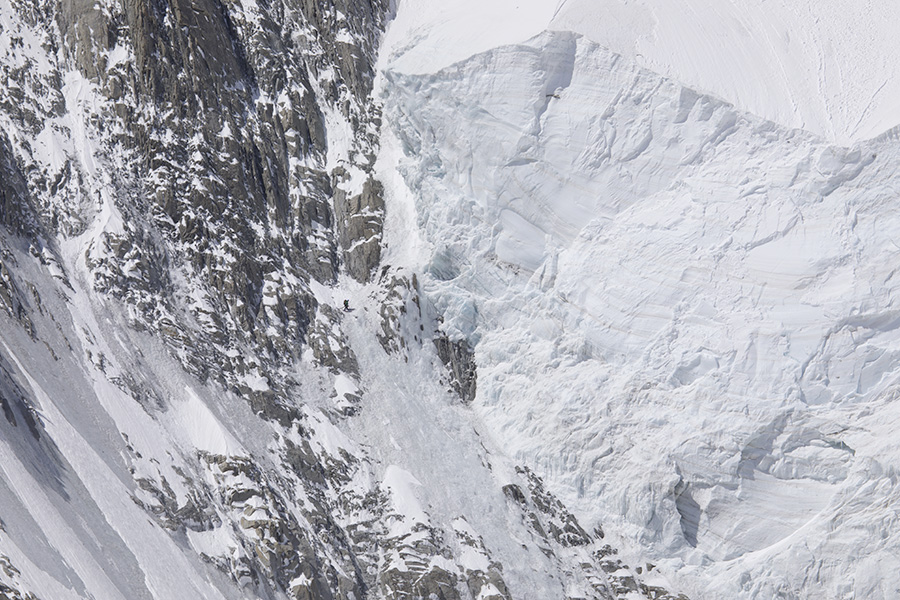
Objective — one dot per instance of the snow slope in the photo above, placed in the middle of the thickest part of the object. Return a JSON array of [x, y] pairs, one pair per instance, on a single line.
[[827, 67], [67, 490], [186, 411], [832, 67], [685, 315]]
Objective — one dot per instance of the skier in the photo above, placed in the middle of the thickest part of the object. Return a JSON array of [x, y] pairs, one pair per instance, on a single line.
[[346, 306]]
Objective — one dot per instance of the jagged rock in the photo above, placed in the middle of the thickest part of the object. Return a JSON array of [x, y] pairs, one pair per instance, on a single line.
[[12, 301], [303, 462], [560, 523], [194, 514], [16, 213], [486, 585], [217, 108], [436, 584], [558, 533], [410, 572], [329, 346], [9, 574], [460, 359], [8, 593], [270, 404], [399, 309], [514, 493], [15, 404], [292, 555], [360, 221]]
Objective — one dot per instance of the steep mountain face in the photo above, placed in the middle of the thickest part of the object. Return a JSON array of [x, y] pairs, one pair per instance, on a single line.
[[188, 143], [608, 337], [167, 176], [187, 194]]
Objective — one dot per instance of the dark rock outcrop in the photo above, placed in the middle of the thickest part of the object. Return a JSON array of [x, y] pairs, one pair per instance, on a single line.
[[360, 220], [460, 359]]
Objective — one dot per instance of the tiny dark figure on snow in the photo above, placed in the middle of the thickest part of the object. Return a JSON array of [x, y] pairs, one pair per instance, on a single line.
[[346, 305]]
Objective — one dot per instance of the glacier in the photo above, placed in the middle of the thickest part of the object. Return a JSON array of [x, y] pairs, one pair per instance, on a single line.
[[621, 288], [684, 314]]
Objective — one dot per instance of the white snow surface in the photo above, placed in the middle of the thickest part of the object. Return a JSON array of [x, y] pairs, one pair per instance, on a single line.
[[685, 315], [831, 67]]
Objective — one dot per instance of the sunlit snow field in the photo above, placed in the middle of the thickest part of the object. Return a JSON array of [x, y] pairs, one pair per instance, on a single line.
[[828, 67]]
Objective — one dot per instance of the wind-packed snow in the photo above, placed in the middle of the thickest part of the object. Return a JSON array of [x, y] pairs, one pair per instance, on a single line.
[[427, 35], [202, 429], [830, 67], [684, 314], [108, 527]]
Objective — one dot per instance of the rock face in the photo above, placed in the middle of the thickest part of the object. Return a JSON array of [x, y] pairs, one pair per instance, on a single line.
[[460, 360], [15, 213], [176, 157], [208, 131], [360, 220]]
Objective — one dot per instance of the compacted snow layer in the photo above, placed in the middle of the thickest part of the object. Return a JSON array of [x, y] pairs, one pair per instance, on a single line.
[[830, 67], [685, 316], [71, 523]]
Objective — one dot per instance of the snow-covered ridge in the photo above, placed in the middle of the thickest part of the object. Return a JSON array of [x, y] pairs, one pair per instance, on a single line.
[[685, 315]]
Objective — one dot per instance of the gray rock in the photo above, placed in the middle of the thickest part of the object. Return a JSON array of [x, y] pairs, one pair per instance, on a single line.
[[16, 212], [330, 347], [460, 359], [13, 302], [400, 311], [360, 222]]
